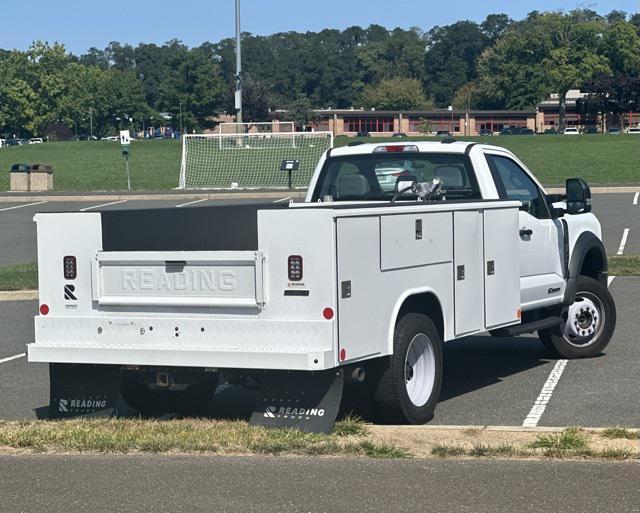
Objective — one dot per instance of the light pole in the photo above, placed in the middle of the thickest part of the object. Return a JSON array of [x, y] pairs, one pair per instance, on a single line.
[[91, 122], [238, 95], [180, 118]]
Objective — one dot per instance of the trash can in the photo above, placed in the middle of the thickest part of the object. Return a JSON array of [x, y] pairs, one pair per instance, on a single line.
[[20, 177], [41, 177]]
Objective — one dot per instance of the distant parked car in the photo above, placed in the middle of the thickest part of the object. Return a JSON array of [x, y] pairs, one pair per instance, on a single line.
[[36, 140], [571, 130], [16, 142], [3, 142], [112, 138], [399, 134], [526, 131], [614, 131], [590, 130], [635, 130], [550, 131], [443, 133], [362, 133], [485, 132], [84, 137], [509, 130], [387, 172]]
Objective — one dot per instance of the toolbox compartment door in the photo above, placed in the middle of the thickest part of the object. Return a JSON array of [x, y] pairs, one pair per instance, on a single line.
[[179, 278]]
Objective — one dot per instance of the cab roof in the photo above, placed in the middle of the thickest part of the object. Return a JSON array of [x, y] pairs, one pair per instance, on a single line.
[[422, 146]]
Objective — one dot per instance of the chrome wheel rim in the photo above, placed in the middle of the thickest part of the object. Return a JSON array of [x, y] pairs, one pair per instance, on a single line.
[[419, 369]]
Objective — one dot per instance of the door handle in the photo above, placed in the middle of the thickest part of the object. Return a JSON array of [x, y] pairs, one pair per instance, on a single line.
[[525, 232]]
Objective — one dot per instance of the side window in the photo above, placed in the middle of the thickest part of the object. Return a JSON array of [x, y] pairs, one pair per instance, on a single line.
[[517, 185]]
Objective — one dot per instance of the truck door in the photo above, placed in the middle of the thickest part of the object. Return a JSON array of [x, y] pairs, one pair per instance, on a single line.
[[541, 238]]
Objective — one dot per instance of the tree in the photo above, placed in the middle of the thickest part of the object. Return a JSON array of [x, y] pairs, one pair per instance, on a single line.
[[300, 112], [256, 99], [450, 61], [548, 52], [396, 94]]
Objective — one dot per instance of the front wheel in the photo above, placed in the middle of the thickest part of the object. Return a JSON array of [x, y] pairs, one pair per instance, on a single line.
[[587, 325], [407, 385]]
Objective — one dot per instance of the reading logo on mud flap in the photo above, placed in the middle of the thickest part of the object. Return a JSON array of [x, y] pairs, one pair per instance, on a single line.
[[288, 412], [81, 405]]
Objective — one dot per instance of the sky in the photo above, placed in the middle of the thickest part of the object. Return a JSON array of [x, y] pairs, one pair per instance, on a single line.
[[82, 24]]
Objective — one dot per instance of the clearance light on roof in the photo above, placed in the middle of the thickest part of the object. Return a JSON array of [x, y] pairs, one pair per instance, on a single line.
[[395, 148]]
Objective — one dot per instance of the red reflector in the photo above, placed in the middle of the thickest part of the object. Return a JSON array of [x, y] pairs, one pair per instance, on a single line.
[[343, 355], [294, 267], [44, 309], [328, 313], [70, 268]]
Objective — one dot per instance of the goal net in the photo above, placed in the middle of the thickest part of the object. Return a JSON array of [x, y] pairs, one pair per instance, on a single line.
[[250, 160], [256, 128]]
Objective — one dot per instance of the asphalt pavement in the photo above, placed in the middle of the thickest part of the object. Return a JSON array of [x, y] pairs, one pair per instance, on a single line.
[[143, 483]]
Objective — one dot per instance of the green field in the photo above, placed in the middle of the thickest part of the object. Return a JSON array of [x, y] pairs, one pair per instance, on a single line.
[[155, 165]]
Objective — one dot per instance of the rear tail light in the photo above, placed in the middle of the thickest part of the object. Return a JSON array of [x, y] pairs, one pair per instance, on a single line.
[[70, 268], [294, 265], [395, 148]]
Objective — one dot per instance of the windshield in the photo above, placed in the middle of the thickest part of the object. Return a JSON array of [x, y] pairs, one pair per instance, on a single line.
[[373, 177]]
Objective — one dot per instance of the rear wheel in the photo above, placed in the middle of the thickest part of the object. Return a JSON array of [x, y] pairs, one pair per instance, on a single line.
[[188, 395], [587, 325], [406, 386]]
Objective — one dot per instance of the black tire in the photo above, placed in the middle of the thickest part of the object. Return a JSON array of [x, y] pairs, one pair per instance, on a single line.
[[152, 401], [570, 346], [388, 381]]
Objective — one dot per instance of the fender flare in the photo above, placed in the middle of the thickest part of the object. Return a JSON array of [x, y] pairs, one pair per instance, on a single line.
[[586, 242], [407, 294]]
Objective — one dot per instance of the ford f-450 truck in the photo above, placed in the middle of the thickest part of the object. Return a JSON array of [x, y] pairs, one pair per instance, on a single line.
[[364, 280]]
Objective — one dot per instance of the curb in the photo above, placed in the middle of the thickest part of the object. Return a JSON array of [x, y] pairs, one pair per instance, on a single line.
[[237, 195], [504, 429], [19, 295], [155, 196]]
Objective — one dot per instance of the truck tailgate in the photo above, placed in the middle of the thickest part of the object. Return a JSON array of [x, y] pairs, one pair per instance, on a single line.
[[178, 278]]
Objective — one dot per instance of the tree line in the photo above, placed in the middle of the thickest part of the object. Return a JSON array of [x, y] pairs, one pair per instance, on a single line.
[[496, 64]]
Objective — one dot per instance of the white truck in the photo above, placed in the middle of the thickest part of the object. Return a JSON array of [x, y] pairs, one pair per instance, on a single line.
[[359, 282]]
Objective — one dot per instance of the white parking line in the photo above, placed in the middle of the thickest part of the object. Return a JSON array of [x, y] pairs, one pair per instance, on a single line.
[[191, 203], [22, 206], [14, 357], [635, 198], [103, 205], [609, 280], [623, 242], [282, 199], [545, 395]]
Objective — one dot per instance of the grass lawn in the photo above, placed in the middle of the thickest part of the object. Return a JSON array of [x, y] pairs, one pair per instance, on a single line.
[[599, 159], [98, 165], [155, 165]]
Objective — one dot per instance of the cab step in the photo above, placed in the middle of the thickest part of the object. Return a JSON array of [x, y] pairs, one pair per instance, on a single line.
[[530, 327]]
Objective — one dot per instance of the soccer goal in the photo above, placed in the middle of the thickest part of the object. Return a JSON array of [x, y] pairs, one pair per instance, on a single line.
[[250, 160]]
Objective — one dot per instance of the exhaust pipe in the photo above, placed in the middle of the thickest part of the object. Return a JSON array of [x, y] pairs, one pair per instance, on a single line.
[[356, 375]]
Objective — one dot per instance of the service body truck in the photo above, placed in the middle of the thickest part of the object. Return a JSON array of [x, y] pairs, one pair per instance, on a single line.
[[359, 282]]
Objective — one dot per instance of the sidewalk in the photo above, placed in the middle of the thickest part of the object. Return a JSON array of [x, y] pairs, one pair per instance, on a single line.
[[15, 197]]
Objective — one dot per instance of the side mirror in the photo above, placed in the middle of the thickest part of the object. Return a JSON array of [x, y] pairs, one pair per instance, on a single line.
[[404, 181], [578, 196]]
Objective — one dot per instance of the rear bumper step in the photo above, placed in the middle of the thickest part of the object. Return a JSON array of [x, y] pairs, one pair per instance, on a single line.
[[530, 327]]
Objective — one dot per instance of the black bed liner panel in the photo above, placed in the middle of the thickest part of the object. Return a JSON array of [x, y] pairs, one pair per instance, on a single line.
[[215, 228]]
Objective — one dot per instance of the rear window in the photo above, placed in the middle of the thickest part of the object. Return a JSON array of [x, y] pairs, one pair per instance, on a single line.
[[373, 177]]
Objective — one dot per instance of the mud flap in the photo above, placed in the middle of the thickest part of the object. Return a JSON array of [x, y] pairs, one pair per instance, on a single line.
[[83, 390], [308, 401]]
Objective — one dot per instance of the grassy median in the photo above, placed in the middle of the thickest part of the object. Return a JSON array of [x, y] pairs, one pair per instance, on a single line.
[[155, 165], [350, 438], [25, 276], [19, 277]]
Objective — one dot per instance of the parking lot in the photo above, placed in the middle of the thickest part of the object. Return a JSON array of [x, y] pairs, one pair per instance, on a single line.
[[487, 381]]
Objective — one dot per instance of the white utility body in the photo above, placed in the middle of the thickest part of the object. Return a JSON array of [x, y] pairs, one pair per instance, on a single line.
[[332, 282]]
